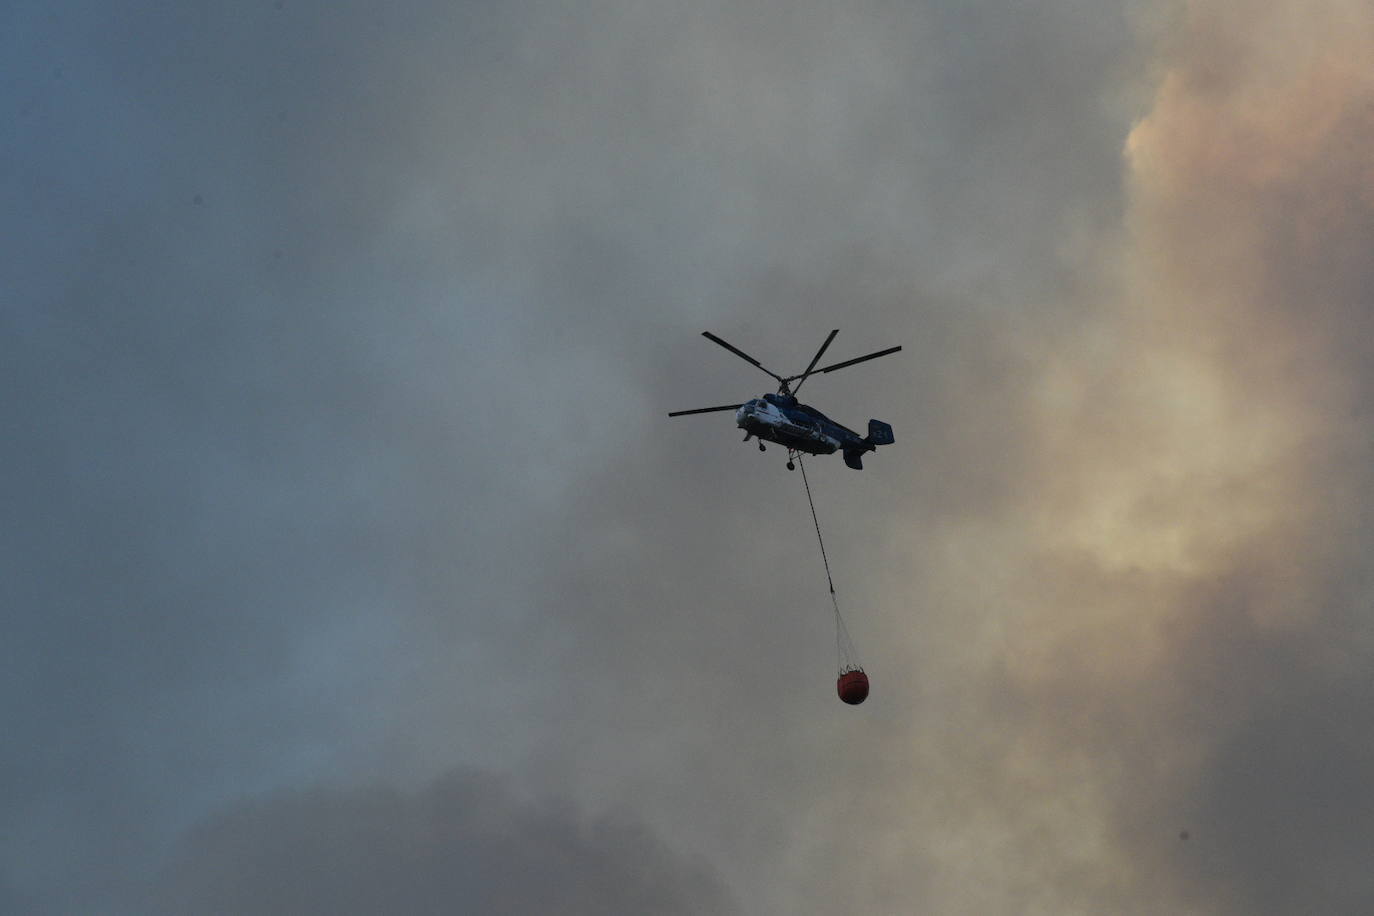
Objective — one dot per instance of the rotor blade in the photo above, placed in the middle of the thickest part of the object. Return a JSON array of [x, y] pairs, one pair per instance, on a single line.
[[859, 359], [738, 352], [815, 359], [683, 413]]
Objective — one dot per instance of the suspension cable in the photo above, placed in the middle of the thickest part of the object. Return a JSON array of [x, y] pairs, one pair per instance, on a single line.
[[844, 646]]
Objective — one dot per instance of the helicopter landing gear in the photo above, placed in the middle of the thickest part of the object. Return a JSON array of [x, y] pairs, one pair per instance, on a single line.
[[761, 448], [791, 453], [791, 466]]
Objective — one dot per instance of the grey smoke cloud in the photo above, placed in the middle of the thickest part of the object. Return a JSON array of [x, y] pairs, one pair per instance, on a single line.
[[463, 843], [339, 342]]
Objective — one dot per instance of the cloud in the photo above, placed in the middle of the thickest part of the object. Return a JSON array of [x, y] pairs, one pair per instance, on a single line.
[[463, 843], [1188, 542], [343, 348]]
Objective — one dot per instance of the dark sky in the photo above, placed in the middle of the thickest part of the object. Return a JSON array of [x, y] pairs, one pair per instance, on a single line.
[[352, 564]]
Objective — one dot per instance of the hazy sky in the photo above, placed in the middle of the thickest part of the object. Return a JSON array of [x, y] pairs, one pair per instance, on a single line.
[[352, 564]]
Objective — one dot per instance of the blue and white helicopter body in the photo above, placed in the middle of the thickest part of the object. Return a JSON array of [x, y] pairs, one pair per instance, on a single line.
[[781, 418]]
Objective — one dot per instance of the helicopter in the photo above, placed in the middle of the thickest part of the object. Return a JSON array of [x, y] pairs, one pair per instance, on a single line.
[[781, 418]]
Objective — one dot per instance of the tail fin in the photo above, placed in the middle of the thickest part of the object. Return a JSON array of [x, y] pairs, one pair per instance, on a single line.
[[879, 433]]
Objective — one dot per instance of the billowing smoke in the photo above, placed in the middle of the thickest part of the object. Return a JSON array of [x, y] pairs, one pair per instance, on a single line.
[[466, 843], [341, 347], [1184, 644]]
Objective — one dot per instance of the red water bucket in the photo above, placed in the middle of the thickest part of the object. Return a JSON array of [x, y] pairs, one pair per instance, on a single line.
[[852, 687]]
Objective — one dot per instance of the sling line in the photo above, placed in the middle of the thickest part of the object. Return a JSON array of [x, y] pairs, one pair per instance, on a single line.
[[844, 646]]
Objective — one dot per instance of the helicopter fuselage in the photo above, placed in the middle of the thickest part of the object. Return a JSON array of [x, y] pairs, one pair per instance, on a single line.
[[782, 419]]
